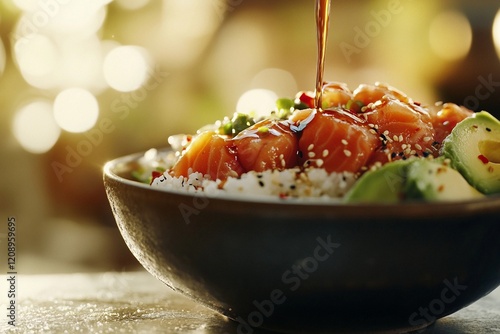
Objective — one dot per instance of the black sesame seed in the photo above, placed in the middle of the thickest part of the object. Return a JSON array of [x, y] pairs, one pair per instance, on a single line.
[[488, 129], [393, 155], [300, 154], [261, 183]]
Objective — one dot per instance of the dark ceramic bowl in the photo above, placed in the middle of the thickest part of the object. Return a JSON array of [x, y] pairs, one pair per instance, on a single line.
[[298, 268]]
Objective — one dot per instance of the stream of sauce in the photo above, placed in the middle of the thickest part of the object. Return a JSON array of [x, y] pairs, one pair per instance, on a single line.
[[322, 19]]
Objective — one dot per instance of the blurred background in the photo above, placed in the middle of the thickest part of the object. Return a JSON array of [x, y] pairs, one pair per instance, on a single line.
[[86, 81]]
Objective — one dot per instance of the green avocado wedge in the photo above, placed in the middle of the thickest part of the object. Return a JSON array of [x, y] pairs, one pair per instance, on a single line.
[[435, 180], [473, 147], [382, 185], [415, 179]]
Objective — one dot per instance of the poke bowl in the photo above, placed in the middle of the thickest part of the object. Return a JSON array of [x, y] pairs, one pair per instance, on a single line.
[[298, 267], [404, 230]]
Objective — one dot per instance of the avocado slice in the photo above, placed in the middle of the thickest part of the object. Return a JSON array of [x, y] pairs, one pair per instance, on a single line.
[[382, 185], [473, 147], [434, 180]]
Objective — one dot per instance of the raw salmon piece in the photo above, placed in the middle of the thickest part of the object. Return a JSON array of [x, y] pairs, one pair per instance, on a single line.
[[269, 144], [335, 140], [404, 130], [372, 93], [445, 119], [210, 154], [335, 94]]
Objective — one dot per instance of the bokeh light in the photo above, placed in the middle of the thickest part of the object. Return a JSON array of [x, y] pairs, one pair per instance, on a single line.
[[26, 5], [126, 68], [131, 4], [450, 35], [277, 80], [259, 102], [36, 56], [76, 110], [34, 127], [496, 32]]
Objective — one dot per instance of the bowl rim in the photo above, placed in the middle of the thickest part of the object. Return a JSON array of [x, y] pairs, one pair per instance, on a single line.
[[489, 203]]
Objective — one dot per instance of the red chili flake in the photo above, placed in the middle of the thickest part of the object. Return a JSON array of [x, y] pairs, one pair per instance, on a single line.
[[307, 99], [155, 174], [483, 159]]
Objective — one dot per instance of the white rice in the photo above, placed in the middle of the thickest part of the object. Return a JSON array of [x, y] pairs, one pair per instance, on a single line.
[[285, 184], [294, 183]]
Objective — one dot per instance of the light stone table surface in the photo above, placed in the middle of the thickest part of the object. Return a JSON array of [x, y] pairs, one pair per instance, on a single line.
[[135, 302]]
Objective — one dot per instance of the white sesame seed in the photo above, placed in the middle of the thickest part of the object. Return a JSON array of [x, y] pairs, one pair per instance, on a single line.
[[310, 147], [311, 154], [427, 139], [344, 142], [418, 147], [396, 139], [347, 153], [404, 146], [386, 132], [325, 153], [413, 152], [400, 138], [371, 125], [319, 162]]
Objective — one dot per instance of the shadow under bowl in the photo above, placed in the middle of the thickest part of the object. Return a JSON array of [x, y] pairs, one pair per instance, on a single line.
[[296, 267]]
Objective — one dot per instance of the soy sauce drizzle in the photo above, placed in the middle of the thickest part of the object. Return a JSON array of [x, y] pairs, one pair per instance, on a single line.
[[322, 19]]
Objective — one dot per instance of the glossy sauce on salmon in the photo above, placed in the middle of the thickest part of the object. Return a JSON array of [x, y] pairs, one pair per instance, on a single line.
[[332, 128]]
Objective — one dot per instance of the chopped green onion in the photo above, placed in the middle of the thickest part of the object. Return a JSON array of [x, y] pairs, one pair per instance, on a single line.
[[354, 105]]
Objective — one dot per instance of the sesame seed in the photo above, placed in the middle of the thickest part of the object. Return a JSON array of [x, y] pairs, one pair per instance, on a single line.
[[404, 146], [347, 153], [310, 147], [373, 131], [413, 152], [371, 125], [261, 183], [319, 162], [418, 147], [344, 142], [325, 153], [400, 138], [427, 139], [311, 154], [386, 132], [396, 139]]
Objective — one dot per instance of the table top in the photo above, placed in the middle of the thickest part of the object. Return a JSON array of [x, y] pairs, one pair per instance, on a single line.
[[135, 302]]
